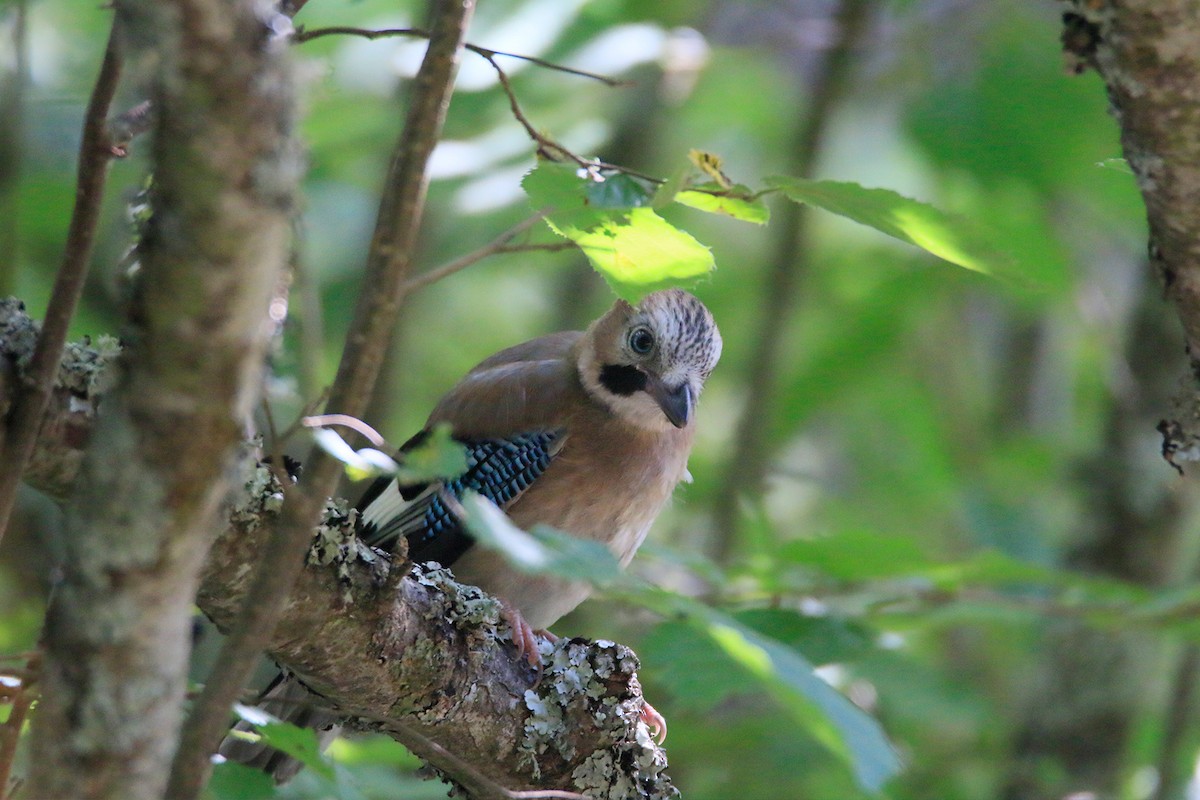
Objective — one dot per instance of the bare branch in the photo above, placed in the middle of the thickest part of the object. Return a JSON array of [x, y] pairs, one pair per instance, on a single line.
[[279, 562], [497, 245], [304, 35], [18, 436]]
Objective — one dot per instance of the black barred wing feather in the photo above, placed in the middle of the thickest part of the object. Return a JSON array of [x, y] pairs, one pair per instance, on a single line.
[[499, 469]]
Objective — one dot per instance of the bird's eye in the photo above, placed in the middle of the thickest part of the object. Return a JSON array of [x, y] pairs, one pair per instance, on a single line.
[[641, 341]]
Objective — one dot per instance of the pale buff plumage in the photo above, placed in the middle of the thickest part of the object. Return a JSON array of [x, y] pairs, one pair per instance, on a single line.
[[620, 456]]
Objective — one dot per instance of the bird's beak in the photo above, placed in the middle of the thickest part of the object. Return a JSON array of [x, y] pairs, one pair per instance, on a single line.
[[676, 402]]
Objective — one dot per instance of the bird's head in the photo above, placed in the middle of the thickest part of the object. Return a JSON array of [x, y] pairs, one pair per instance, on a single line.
[[649, 362]]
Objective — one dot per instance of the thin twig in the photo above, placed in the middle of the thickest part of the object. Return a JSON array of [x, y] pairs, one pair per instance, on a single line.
[[752, 448], [304, 35], [388, 262], [309, 410], [497, 245], [550, 148], [278, 465], [547, 147], [25, 420]]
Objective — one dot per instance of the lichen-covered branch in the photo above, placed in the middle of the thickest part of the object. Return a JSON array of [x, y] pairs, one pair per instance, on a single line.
[[414, 655], [85, 373], [157, 468], [427, 659]]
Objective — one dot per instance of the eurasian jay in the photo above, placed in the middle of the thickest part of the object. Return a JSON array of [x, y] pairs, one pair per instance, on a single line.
[[588, 432]]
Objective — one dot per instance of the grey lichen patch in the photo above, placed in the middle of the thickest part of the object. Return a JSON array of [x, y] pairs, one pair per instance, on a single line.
[[627, 770], [336, 544], [87, 367], [18, 333], [465, 607], [596, 681], [260, 499]]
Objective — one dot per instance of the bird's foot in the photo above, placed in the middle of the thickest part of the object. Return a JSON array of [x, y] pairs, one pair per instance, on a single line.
[[654, 721], [523, 635]]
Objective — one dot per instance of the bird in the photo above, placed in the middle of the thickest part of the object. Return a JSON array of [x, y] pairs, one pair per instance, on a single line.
[[588, 432]]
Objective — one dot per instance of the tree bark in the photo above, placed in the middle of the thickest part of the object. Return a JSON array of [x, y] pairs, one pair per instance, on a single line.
[[156, 472], [1148, 53]]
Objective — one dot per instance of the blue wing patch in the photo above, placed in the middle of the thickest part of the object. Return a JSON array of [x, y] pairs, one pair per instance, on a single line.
[[499, 469]]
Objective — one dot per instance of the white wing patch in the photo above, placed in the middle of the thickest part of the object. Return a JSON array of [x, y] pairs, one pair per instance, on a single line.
[[386, 507]]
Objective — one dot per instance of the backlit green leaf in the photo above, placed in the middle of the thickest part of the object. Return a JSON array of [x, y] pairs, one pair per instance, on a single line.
[[736, 202], [634, 249], [844, 729], [299, 743], [954, 239]]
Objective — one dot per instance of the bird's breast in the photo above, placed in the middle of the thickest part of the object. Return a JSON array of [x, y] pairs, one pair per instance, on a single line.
[[608, 484]]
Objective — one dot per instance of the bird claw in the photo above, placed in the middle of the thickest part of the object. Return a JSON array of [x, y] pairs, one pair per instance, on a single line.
[[523, 635], [654, 721]]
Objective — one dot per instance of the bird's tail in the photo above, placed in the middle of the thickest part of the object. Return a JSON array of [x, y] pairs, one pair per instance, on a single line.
[[286, 699]]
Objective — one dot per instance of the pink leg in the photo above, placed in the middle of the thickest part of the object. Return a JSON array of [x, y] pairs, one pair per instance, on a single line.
[[522, 634], [654, 721]]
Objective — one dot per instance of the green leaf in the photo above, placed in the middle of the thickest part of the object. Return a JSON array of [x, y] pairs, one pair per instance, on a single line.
[[299, 743], [542, 551], [736, 202], [696, 668], [844, 729], [640, 252], [635, 250], [437, 456], [858, 555], [231, 781], [618, 190], [950, 238]]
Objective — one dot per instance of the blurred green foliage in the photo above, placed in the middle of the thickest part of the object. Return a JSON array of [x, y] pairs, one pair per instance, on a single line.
[[940, 444]]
